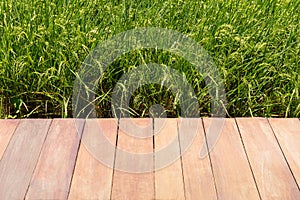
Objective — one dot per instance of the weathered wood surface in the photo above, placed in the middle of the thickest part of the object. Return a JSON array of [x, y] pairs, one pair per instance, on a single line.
[[128, 185], [197, 173], [254, 158], [230, 164], [287, 133], [92, 179], [168, 180], [19, 160], [7, 128], [273, 176], [53, 173]]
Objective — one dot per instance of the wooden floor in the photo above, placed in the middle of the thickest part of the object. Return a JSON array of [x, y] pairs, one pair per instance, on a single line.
[[254, 158]]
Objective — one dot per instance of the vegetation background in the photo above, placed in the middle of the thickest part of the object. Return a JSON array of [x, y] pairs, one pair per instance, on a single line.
[[255, 45]]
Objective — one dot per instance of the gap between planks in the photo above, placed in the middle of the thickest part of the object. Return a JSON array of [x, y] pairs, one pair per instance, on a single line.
[[271, 145]]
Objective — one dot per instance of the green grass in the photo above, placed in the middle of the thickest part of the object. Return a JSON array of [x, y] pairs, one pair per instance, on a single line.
[[255, 45]]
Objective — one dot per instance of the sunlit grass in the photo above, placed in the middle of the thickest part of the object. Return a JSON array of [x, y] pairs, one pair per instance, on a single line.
[[255, 45]]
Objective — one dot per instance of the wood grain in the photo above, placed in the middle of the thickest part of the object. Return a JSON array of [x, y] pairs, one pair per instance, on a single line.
[[232, 172], [7, 128], [133, 185], [272, 174], [287, 132], [92, 179], [169, 178], [20, 158], [39, 155], [52, 176], [197, 173]]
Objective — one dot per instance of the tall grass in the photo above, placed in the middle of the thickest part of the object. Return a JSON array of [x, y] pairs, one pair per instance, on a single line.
[[255, 45]]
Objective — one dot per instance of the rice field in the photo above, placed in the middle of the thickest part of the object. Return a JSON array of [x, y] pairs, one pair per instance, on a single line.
[[254, 44]]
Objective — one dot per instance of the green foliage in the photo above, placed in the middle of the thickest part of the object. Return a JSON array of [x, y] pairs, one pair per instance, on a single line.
[[255, 44]]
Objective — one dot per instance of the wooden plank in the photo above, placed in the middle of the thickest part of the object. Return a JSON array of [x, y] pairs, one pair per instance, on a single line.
[[52, 176], [133, 185], [7, 128], [287, 132], [232, 172], [20, 158], [92, 179], [168, 179], [197, 173], [272, 174]]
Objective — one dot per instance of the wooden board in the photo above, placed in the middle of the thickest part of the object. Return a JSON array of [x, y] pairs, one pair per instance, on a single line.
[[287, 132], [20, 158], [197, 173], [92, 179], [232, 172], [253, 156], [53, 173], [7, 128], [272, 174], [169, 179], [133, 185]]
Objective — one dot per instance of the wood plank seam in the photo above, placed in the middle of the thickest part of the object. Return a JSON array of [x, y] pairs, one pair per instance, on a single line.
[[113, 173], [168, 175], [153, 146], [38, 158], [21, 157], [248, 159], [274, 179], [10, 138], [79, 146], [287, 162], [133, 173], [288, 135], [241, 139], [181, 162], [210, 162], [92, 177]]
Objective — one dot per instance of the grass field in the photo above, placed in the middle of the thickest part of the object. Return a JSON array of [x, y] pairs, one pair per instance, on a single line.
[[255, 44]]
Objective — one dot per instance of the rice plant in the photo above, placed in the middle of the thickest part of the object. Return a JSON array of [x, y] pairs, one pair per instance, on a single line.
[[255, 45]]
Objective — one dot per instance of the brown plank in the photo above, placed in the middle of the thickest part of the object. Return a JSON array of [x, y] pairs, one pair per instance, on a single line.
[[287, 132], [168, 179], [7, 128], [197, 173], [232, 172], [52, 176], [133, 185], [20, 158], [92, 178], [272, 174]]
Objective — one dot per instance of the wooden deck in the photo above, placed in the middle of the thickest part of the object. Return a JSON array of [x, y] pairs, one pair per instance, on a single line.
[[254, 158]]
